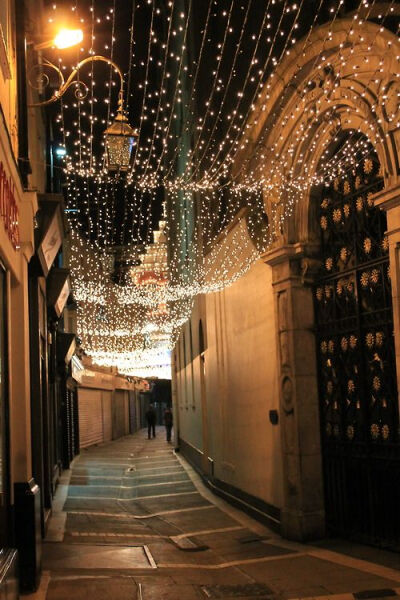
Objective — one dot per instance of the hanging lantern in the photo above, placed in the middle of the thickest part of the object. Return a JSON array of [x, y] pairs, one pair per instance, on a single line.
[[120, 138]]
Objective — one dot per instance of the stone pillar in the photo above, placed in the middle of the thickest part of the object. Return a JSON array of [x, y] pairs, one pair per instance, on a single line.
[[388, 199], [302, 515]]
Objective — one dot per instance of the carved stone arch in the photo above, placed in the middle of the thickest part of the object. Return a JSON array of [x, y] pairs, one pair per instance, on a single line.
[[332, 84]]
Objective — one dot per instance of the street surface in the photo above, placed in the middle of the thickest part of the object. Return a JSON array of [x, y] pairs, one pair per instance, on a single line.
[[132, 521]]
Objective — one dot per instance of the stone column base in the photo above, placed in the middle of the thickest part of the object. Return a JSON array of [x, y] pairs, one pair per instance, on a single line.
[[302, 527]]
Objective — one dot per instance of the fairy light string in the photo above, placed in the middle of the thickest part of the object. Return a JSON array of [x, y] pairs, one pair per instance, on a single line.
[[216, 168], [204, 253], [178, 75], [160, 109], [266, 64], [190, 117], [143, 115], [316, 178], [315, 67]]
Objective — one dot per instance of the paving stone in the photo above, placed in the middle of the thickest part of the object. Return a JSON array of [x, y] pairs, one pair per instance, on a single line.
[[303, 572], [156, 591], [113, 512], [366, 594], [368, 582], [188, 544], [153, 579], [253, 590], [228, 576], [166, 553], [104, 523], [92, 589], [250, 538], [213, 518], [92, 492], [153, 505], [94, 480], [156, 490], [254, 550], [227, 541], [315, 591], [101, 557]]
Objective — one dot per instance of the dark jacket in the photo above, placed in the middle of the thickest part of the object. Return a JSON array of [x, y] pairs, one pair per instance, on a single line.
[[151, 416], [168, 417]]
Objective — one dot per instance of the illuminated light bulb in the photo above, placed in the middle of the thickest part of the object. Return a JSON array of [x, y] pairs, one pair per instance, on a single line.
[[66, 38], [60, 152]]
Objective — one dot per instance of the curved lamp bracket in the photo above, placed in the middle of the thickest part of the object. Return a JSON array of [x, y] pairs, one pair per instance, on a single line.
[[81, 91]]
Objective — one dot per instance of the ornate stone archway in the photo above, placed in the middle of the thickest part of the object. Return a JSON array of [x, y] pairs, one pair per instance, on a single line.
[[346, 79], [339, 81]]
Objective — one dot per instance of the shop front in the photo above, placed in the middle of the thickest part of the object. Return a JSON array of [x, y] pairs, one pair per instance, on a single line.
[[107, 403], [19, 494], [50, 353]]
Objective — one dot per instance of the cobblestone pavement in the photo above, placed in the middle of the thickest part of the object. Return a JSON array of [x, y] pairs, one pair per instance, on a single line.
[[132, 521]]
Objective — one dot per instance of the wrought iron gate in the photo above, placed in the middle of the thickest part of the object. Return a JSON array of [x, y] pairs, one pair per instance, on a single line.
[[357, 378]]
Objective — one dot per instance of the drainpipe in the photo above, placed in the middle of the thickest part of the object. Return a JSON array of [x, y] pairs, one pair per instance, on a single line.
[[23, 142]]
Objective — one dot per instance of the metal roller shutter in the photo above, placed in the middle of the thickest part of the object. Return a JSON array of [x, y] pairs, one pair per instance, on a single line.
[[126, 402], [132, 412], [118, 414], [90, 417], [107, 416]]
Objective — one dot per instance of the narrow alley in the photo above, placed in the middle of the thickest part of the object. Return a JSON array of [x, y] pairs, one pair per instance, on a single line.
[[132, 520]]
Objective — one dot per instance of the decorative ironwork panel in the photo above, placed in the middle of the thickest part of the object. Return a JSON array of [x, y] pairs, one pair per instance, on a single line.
[[356, 361]]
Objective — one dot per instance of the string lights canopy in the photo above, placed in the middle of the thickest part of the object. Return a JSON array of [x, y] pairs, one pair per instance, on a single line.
[[119, 136], [202, 195]]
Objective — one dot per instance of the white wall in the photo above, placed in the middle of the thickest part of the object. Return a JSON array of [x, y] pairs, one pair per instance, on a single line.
[[188, 381], [240, 386]]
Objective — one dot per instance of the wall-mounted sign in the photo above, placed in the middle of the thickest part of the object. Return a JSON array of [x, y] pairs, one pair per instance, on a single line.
[[62, 298], [66, 345], [8, 208], [58, 290], [78, 370], [52, 239]]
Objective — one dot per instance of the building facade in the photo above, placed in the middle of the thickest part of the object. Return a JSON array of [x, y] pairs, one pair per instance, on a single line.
[[286, 383], [18, 208], [108, 404], [35, 412]]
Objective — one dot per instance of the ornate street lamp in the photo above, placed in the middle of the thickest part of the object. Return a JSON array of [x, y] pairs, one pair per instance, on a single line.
[[120, 138]]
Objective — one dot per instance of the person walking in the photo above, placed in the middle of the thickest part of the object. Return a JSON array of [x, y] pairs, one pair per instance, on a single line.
[[151, 421], [168, 419]]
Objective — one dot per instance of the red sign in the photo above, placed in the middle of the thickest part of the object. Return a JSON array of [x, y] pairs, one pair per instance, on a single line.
[[150, 278], [8, 208]]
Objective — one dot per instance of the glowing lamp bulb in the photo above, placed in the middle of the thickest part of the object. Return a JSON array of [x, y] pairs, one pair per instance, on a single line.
[[60, 151], [66, 38]]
